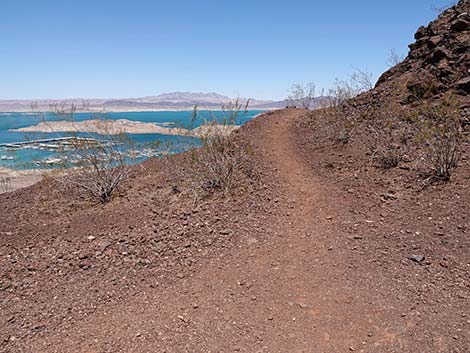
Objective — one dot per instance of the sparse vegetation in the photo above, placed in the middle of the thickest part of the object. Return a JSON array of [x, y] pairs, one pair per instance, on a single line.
[[338, 122], [439, 133], [5, 184], [394, 58], [388, 136], [429, 133], [96, 164], [220, 161], [361, 80], [100, 166], [420, 90], [342, 118], [302, 96]]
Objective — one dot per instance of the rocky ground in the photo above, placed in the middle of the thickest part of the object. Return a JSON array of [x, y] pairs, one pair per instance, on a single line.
[[310, 258]]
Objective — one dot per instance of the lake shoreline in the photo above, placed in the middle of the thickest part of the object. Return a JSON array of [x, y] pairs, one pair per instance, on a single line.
[[11, 179]]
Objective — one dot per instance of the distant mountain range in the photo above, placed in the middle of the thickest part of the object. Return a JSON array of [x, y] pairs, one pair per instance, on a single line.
[[166, 101]]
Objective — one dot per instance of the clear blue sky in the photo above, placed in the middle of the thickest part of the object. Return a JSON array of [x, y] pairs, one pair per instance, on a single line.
[[253, 48]]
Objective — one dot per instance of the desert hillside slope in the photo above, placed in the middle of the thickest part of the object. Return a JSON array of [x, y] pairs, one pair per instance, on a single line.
[[440, 54], [438, 63], [317, 250]]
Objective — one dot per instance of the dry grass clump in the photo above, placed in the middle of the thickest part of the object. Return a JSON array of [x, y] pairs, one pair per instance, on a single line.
[[439, 133], [387, 136], [220, 162]]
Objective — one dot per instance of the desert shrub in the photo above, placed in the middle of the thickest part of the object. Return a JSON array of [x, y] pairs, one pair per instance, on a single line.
[[361, 80], [100, 166], [302, 96], [5, 184], [94, 158], [342, 90], [340, 123], [440, 137], [421, 90], [220, 161], [388, 136], [394, 58], [342, 117]]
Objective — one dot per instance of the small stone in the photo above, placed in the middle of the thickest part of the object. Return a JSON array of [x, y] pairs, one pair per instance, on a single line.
[[460, 25], [444, 264], [184, 319], [464, 85], [434, 41], [251, 241], [84, 265], [225, 231], [421, 32], [83, 255], [388, 196], [439, 54], [417, 258], [91, 237]]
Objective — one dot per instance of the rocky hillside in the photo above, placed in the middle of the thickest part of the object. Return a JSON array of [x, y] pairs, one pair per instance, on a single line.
[[438, 62]]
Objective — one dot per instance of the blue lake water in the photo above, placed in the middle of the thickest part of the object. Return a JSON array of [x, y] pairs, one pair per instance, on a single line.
[[32, 158]]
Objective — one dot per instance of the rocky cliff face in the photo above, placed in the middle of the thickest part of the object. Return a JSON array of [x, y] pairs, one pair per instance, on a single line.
[[440, 57], [437, 63]]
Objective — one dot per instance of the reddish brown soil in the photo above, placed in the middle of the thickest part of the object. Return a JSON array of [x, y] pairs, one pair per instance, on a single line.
[[309, 258]]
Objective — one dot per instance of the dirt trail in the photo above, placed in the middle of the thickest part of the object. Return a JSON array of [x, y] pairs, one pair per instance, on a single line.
[[291, 294]]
